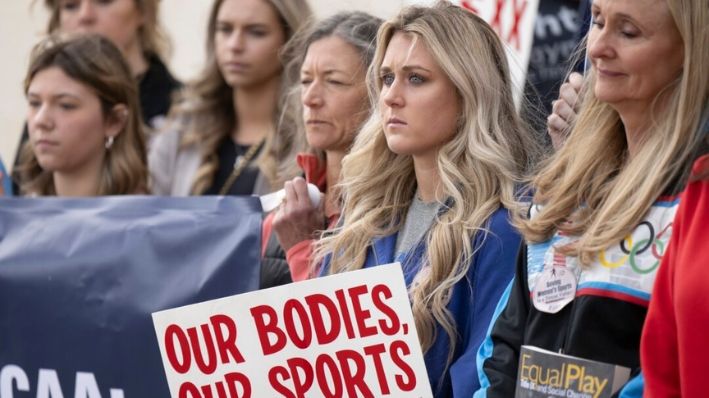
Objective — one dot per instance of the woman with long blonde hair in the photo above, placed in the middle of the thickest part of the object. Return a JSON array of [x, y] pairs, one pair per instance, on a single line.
[[604, 204], [227, 134], [430, 181], [86, 136]]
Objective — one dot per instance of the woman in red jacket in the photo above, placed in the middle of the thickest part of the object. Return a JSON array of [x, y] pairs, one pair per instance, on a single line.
[[674, 347]]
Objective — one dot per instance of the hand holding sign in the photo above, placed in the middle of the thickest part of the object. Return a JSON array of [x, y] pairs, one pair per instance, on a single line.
[[271, 201], [300, 215], [344, 335]]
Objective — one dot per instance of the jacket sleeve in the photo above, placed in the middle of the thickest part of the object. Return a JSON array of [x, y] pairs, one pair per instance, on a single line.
[[162, 156], [658, 347], [298, 258], [491, 272], [266, 231], [498, 355]]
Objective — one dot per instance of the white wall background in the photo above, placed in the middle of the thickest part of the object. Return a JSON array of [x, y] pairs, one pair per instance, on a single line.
[[22, 25]]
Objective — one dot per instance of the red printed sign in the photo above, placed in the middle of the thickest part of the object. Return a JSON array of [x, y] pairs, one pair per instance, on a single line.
[[347, 335]]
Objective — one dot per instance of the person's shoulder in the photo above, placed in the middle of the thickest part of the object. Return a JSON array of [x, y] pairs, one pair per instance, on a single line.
[[172, 128], [158, 75], [500, 222], [496, 248], [700, 168], [165, 147], [165, 137], [498, 233]]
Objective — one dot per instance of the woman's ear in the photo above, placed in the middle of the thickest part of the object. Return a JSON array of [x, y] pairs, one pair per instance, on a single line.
[[116, 120]]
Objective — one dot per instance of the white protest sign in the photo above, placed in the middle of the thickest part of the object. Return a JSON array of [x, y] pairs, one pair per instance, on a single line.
[[513, 20], [346, 335]]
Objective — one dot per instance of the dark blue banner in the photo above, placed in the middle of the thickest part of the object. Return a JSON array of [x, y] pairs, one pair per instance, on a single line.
[[79, 279]]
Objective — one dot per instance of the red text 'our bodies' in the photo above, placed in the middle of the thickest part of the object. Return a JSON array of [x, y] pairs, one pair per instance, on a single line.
[[307, 324]]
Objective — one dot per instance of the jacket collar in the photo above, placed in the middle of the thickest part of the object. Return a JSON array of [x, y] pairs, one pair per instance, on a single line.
[[314, 169]]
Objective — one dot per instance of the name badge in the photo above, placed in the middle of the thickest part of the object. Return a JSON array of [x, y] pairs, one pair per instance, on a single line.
[[554, 289]]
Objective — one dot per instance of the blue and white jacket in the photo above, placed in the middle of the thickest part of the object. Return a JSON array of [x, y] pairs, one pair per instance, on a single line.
[[603, 322]]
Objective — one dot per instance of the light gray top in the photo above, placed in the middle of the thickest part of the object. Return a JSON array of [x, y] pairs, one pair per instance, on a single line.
[[419, 219], [173, 168]]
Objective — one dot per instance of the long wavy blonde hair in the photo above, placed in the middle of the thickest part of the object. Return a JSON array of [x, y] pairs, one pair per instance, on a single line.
[[591, 188], [152, 37], [95, 62], [207, 108], [478, 168]]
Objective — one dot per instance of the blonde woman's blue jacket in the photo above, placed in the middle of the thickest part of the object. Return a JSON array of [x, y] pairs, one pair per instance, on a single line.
[[472, 302]]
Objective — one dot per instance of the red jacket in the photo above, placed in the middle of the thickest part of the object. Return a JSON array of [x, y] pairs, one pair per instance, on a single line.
[[298, 257], [675, 347]]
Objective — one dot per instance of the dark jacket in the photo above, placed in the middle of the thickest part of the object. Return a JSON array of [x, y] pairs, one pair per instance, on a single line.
[[274, 268], [602, 323], [156, 88]]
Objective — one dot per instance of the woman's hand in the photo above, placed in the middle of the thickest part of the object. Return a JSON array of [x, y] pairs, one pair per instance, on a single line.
[[297, 219], [564, 110]]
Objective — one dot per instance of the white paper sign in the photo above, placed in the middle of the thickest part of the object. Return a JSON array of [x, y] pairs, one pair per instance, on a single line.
[[346, 335]]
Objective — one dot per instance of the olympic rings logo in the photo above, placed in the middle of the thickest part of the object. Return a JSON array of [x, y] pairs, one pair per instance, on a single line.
[[633, 249]]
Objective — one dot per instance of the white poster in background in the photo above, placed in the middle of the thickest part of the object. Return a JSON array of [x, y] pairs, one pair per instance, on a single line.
[[513, 20], [346, 335]]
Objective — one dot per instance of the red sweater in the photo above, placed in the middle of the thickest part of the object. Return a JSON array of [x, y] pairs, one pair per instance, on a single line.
[[675, 346]]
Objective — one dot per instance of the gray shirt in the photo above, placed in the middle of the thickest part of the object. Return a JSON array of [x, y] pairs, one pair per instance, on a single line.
[[419, 219]]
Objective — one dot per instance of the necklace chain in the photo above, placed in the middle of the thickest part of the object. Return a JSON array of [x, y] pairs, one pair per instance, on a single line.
[[240, 164]]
